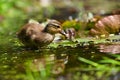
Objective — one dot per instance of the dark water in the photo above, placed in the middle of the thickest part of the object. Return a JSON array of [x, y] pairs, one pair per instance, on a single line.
[[61, 62]]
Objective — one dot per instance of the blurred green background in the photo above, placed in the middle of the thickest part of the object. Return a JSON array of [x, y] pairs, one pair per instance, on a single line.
[[14, 13]]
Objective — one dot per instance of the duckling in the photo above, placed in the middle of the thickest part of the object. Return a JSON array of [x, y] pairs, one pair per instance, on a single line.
[[35, 35]]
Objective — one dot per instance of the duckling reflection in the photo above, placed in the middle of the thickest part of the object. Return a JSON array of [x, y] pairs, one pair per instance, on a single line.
[[55, 64], [60, 64], [35, 35]]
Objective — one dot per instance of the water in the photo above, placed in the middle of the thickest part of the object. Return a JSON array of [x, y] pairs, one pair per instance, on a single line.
[[59, 63]]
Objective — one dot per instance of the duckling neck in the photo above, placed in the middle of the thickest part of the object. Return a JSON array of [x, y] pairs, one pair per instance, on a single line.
[[46, 30]]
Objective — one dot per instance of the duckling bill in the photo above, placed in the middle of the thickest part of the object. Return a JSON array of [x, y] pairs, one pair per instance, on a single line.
[[34, 35]]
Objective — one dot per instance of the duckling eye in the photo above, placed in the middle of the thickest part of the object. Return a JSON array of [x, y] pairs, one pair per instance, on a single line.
[[58, 26]]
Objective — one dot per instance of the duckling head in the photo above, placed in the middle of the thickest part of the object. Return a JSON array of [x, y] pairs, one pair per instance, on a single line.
[[53, 27]]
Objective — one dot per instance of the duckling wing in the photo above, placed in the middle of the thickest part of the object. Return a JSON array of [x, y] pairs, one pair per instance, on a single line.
[[43, 39]]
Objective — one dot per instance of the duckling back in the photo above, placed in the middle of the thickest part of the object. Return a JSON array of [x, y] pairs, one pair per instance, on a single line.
[[32, 35]]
